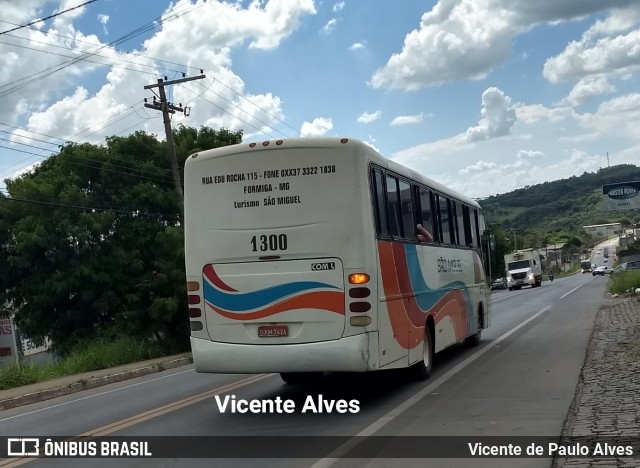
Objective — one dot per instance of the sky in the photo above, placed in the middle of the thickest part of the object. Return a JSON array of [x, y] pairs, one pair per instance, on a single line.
[[485, 96]]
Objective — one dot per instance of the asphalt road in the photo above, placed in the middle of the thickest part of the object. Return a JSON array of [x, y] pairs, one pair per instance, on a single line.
[[519, 382]]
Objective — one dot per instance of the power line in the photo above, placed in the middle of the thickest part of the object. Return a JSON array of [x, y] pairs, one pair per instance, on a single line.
[[235, 117], [263, 110], [105, 169], [24, 144], [153, 176], [46, 18], [30, 131], [5, 171], [86, 137], [75, 39], [61, 66], [120, 210], [28, 137], [246, 112], [84, 60]]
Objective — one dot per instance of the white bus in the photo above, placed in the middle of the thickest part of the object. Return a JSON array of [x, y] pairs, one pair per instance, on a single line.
[[302, 257]]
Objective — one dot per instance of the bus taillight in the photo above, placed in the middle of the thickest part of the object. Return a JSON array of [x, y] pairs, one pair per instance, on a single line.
[[358, 278], [194, 299], [359, 293], [359, 307]]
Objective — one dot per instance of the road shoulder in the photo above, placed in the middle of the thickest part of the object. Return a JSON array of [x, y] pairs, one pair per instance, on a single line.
[[66, 385]]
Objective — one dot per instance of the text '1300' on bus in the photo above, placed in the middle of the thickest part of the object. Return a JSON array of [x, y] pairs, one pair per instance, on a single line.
[[304, 256]]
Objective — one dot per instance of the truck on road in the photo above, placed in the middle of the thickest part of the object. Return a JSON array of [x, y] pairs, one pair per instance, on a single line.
[[524, 267]]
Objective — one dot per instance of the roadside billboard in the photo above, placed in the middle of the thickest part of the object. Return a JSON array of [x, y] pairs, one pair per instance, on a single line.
[[8, 348], [622, 195]]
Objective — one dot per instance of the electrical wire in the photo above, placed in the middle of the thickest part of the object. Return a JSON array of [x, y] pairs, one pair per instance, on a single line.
[[48, 52], [235, 117], [246, 112], [167, 178], [47, 72], [75, 39], [47, 17], [263, 110], [120, 210]]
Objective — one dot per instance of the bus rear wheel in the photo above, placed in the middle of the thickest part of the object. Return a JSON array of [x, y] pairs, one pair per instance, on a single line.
[[299, 378], [421, 370], [474, 340]]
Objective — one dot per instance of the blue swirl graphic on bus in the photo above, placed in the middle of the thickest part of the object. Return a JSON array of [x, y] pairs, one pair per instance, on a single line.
[[239, 302], [426, 297]]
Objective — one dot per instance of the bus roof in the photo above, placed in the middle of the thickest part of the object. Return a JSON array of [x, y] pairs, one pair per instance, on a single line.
[[334, 142]]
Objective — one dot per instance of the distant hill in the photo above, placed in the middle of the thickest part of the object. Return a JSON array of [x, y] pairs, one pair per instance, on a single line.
[[562, 205]]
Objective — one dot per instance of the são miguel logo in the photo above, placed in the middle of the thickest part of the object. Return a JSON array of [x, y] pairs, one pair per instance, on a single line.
[[622, 193]]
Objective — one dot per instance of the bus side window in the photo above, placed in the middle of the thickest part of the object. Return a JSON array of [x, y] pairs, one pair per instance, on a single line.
[[445, 220], [394, 213], [477, 226], [406, 206], [469, 240], [460, 234], [382, 227], [426, 212]]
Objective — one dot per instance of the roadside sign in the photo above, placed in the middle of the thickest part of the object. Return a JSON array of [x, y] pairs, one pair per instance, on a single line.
[[622, 195], [8, 348]]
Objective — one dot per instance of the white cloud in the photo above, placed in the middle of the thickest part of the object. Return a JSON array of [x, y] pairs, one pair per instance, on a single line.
[[358, 45], [488, 178], [215, 25], [103, 20], [338, 7], [203, 35], [22, 170], [485, 167], [498, 116], [368, 117], [371, 142], [528, 154], [408, 119], [537, 112], [618, 117], [329, 27], [480, 166], [33, 81], [618, 21], [465, 39], [319, 126], [588, 88], [584, 58]]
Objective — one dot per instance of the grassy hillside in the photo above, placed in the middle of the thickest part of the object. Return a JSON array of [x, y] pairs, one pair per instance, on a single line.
[[563, 205]]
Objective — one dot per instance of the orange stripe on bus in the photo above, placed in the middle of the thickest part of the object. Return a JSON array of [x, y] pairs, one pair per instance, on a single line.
[[406, 333], [406, 317]]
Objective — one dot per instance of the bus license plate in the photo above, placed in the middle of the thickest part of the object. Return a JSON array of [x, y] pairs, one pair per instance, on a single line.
[[268, 331]]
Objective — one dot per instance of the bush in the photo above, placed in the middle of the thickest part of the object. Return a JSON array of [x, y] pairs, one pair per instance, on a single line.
[[625, 281], [85, 358]]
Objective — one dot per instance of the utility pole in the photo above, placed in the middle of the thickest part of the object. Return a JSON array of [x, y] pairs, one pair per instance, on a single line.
[[168, 108], [515, 239]]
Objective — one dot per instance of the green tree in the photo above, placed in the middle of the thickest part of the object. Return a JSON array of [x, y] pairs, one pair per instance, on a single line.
[[93, 242]]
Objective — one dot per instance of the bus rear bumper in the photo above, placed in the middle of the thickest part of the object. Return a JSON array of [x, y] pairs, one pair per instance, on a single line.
[[349, 354]]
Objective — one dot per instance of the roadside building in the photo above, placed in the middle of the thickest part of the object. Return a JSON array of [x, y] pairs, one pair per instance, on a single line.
[[603, 230]]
